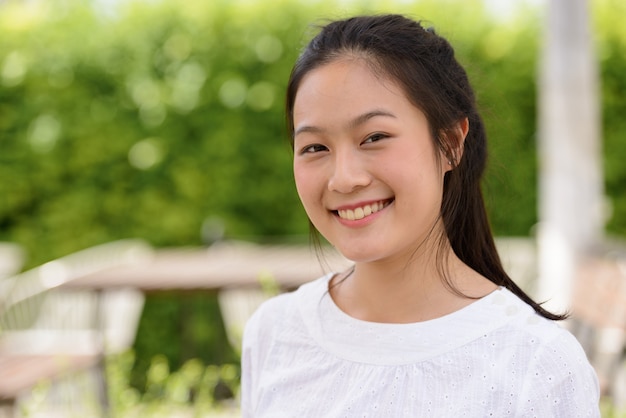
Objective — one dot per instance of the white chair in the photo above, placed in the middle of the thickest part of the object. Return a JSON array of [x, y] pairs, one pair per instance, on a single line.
[[49, 330]]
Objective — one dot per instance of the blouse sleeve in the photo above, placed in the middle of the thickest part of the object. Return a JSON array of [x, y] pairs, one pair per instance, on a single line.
[[560, 382], [249, 365], [257, 338]]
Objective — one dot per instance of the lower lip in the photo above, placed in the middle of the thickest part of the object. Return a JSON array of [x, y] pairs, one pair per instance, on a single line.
[[358, 223]]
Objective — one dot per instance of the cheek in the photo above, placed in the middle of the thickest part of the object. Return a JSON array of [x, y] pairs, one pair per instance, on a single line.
[[305, 184]]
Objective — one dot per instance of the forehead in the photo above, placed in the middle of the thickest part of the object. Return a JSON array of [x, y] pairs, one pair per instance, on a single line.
[[345, 87]]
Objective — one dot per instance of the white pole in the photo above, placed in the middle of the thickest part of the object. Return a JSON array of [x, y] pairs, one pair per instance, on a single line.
[[570, 177]]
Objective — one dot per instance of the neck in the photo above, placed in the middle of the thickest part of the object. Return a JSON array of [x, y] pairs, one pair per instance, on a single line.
[[410, 291]]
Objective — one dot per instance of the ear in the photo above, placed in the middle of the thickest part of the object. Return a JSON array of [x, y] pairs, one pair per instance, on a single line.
[[454, 144]]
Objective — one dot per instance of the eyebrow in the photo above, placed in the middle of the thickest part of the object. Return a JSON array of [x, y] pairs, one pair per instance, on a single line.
[[359, 120]]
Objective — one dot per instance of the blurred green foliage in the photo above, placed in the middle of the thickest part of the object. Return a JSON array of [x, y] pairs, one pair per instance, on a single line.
[[144, 125], [195, 388], [611, 42], [154, 119]]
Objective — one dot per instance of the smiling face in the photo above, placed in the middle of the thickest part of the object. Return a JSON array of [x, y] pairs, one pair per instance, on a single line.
[[365, 164]]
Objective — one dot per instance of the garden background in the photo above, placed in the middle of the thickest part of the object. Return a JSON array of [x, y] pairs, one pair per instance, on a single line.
[[164, 120]]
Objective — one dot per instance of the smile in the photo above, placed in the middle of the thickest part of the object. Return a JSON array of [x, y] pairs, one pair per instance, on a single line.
[[363, 211]]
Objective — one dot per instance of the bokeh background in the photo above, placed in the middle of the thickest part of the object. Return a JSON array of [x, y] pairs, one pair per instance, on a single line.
[[164, 120]]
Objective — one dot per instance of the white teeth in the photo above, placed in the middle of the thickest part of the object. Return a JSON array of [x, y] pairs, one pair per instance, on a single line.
[[362, 212]]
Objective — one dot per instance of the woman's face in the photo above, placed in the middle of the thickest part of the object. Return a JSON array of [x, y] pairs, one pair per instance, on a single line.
[[364, 163]]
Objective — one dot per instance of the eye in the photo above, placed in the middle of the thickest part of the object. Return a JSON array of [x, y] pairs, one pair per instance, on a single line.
[[312, 149], [375, 137]]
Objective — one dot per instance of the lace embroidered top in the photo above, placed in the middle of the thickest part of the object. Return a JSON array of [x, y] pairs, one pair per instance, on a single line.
[[304, 357]]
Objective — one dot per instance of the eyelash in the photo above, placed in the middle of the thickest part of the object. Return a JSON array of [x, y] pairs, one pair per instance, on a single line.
[[312, 149], [315, 148], [375, 137]]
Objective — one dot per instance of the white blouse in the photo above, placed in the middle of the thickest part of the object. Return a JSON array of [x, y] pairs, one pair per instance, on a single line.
[[304, 357]]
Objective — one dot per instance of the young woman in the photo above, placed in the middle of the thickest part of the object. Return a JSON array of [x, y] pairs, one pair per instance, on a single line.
[[389, 151]]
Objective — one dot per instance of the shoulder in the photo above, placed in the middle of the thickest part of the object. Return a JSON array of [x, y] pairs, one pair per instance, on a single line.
[[556, 354], [545, 339], [266, 316], [558, 378], [280, 311], [519, 331]]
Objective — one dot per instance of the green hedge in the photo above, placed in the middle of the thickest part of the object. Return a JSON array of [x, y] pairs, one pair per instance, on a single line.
[[161, 117], [144, 126]]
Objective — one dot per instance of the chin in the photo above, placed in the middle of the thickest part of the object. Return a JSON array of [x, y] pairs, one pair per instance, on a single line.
[[365, 255]]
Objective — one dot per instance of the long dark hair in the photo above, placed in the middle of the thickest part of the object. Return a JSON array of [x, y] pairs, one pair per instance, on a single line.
[[424, 65]]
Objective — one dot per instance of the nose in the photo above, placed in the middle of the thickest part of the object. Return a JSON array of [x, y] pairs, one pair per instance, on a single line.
[[349, 173]]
